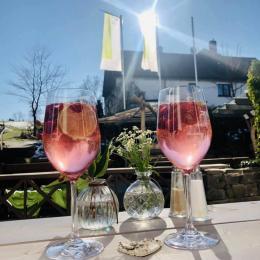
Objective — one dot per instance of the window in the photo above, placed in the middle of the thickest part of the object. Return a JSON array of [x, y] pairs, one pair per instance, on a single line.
[[225, 90]]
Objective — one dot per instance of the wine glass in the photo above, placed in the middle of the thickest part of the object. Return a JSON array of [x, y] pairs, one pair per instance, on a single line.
[[71, 140], [184, 136]]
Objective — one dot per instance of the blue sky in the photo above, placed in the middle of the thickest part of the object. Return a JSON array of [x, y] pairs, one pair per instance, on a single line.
[[72, 31]]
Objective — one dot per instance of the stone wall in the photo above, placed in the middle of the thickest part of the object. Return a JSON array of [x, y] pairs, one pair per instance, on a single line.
[[230, 185]]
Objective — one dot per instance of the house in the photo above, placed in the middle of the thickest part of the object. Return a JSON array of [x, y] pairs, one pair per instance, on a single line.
[[221, 77]]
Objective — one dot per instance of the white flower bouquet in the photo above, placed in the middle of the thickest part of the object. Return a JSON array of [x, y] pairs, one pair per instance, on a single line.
[[135, 146]]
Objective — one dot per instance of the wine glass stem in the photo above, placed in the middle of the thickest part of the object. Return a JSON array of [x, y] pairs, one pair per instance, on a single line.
[[74, 212], [189, 228]]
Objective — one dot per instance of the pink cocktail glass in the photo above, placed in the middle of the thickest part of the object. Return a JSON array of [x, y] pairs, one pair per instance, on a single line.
[[71, 139], [184, 135]]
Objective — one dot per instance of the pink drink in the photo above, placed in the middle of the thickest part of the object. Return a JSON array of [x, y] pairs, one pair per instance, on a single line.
[[71, 137], [184, 133]]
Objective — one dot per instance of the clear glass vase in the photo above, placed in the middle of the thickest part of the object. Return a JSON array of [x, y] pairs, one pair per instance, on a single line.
[[143, 199], [97, 206]]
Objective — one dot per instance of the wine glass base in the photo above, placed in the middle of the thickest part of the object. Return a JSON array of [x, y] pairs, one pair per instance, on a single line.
[[74, 249], [191, 241], [172, 215], [201, 219]]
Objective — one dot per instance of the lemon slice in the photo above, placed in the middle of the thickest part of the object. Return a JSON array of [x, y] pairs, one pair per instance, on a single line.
[[77, 120]]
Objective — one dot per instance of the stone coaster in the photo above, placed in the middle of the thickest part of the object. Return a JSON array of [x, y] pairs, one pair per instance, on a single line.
[[139, 248]]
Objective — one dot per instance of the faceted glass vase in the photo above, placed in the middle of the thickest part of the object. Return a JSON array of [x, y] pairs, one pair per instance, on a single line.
[[98, 206], [143, 199]]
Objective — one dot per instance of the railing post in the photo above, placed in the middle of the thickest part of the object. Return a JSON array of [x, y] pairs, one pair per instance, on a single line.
[[68, 197], [25, 198]]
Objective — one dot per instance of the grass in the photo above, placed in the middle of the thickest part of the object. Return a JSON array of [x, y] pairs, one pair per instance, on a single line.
[[13, 133]]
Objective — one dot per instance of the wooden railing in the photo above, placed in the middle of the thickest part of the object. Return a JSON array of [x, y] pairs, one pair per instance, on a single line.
[[28, 178], [117, 178], [24, 182], [46, 166]]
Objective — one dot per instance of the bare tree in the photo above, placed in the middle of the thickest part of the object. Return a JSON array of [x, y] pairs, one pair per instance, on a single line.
[[35, 78], [92, 84]]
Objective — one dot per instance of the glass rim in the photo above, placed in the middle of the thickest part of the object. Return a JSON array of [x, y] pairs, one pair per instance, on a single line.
[[197, 91], [80, 92], [178, 86], [67, 88]]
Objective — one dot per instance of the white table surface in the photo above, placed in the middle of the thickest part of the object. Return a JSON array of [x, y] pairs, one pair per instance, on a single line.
[[237, 224]]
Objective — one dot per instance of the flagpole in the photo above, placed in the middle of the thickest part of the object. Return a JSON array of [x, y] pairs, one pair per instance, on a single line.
[[159, 59], [194, 52], [122, 62]]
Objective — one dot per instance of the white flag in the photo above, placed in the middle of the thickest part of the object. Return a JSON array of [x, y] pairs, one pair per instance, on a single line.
[[148, 29], [111, 48]]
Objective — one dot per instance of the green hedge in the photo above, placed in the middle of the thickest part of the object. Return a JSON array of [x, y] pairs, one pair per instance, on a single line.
[[253, 86]]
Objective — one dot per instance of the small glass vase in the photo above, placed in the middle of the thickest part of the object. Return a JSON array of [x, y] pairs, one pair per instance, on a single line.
[[143, 199], [97, 206]]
